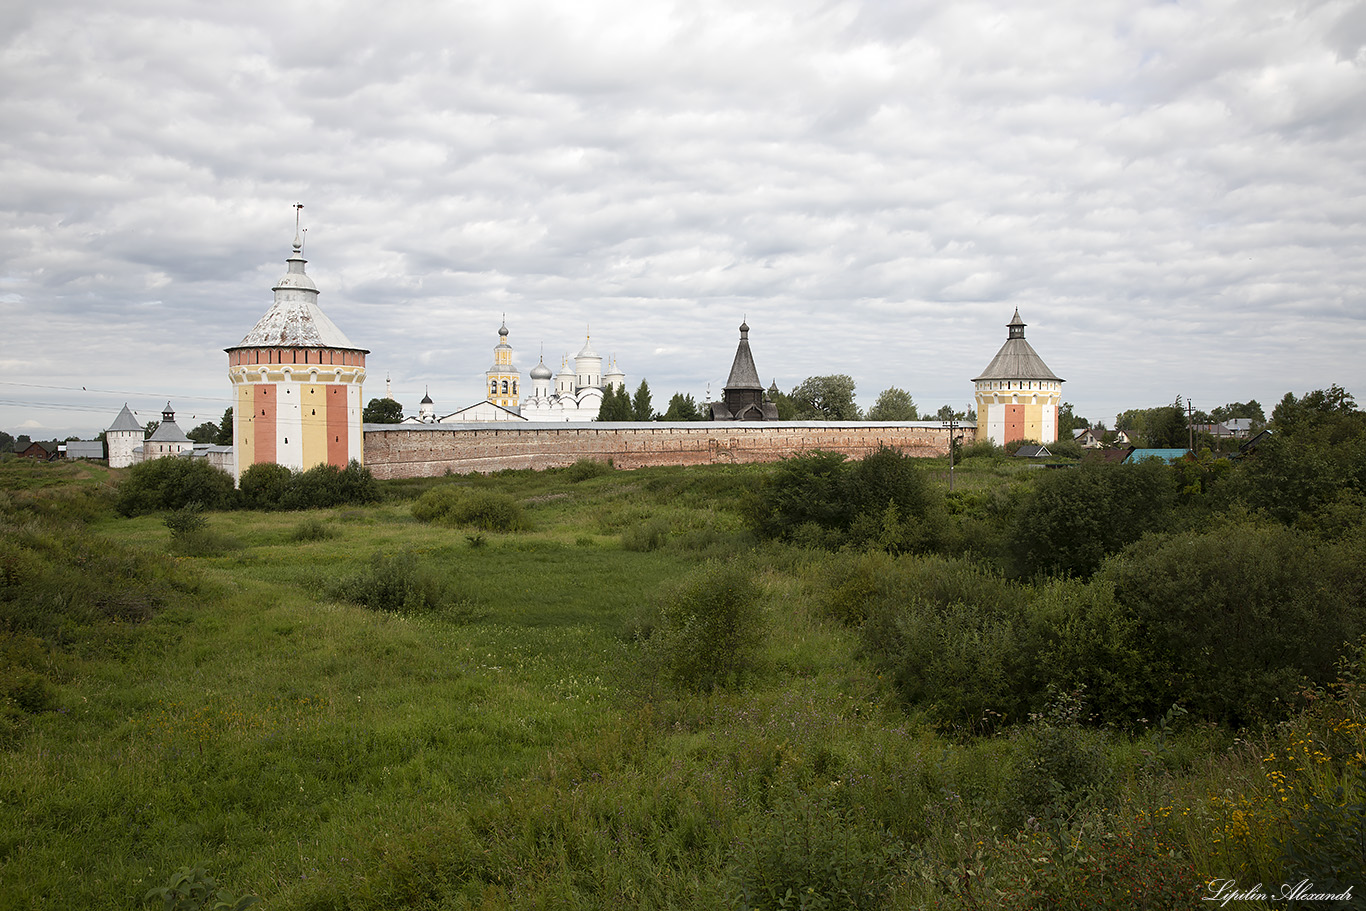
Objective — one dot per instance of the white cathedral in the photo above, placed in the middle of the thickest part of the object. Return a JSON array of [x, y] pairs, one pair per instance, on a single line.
[[572, 394]]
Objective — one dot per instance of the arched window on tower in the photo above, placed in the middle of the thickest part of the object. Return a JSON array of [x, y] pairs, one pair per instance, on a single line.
[[505, 387]]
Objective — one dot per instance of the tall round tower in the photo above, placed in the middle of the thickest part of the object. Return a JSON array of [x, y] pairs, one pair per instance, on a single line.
[[503, 376], [1017, 395], [297, 381]]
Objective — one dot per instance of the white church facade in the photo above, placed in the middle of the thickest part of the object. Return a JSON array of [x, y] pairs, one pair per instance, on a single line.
[[574, 394]]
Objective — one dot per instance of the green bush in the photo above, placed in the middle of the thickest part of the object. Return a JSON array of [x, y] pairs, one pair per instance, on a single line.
[[586, 469], [265, 485], [1232, 623], [191, 536], [453, 504], [1060, 766], [1074, 519], [1328, 843], [646, 536], [956, 640], [270, 486], [818, 499], [804, 489], [808, 852], [173, 483], [312, 530], [324, 486], [395, 582], [708, 628]]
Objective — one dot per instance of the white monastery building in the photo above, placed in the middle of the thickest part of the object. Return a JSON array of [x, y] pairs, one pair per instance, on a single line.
[[573, 394]]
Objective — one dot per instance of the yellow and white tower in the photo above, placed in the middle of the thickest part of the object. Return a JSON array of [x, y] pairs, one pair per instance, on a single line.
[[1017, 395], [297, 382], [502, 376]]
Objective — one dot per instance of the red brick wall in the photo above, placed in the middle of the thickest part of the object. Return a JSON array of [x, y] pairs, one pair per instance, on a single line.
[[414, 451]]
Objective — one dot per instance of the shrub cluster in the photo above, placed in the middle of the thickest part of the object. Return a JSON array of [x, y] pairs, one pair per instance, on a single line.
[[458, 505], [270, 486], [708, 628], [1075, 518], [808, 852], [585, 469], [395, 582], [173, 484], [1231, 623], [820, 499]]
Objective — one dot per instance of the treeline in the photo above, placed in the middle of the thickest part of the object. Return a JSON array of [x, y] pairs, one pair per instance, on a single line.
[[1226, 588], [817, 398]]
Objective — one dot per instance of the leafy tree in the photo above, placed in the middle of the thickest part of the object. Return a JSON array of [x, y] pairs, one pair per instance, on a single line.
[[640, 405], [825, 398], [206, 432], [1315, 458], [616, 404], [682, 408], [150, 429], [1213, 610], [893, 404], [1156, 428], [1167, 428], [382, 411], [1073, 519], [1069, 422], [947, 413], [1323, 409], [6, 442], [1250, 410], [787, 409], [820, 498], [224, 435]]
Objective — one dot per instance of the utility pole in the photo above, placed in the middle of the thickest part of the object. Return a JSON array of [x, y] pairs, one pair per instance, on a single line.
[[1190, 425]]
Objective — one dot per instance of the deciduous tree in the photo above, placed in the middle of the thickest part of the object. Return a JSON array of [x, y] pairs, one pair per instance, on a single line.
[[204, 433], [825, 398], [893, 404], [382, 411]]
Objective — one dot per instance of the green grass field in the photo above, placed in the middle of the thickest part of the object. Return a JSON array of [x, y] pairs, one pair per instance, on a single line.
[[513, 745]]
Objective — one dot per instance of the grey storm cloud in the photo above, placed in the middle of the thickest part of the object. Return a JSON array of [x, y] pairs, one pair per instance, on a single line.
[[1172, 194]]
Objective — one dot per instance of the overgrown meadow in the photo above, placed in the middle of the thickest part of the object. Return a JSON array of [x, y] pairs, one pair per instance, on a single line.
[[809, 685]]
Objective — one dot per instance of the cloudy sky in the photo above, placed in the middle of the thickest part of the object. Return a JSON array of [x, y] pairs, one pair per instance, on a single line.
[[1172, 193]]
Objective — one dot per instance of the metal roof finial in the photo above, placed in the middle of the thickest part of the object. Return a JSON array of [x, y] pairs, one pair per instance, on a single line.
[[298, 233]]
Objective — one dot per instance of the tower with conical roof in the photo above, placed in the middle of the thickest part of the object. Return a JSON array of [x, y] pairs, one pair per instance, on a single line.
[[503, 376], [167, 440], [744, 398], [1017, 395], [123, 437], [297, 382]]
